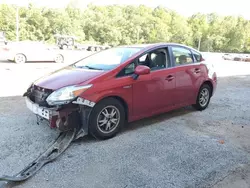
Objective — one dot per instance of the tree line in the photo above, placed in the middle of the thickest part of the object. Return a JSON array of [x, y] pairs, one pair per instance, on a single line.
[[119, 25]]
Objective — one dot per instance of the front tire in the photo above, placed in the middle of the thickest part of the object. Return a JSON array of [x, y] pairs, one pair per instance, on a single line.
[[106, 119], [59, 58], [64, 47], [203, 97]]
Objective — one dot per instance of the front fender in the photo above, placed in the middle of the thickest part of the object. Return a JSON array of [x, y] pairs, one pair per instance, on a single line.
[[121, 92]]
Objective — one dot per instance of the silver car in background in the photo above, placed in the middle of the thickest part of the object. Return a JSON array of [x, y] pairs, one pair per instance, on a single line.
[[23, 51]]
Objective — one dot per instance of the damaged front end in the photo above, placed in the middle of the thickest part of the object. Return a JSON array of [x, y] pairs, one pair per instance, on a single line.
[[64, 113]]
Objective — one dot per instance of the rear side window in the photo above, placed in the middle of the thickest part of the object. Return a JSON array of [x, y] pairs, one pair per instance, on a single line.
[[182, 56], [197, 56]]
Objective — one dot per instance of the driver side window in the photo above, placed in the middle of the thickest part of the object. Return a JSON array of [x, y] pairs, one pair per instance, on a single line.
[[155, 60]]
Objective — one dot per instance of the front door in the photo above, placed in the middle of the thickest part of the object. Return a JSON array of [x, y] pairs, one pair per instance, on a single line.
[[154, 92]]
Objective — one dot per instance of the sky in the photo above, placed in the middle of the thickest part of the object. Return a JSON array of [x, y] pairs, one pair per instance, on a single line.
[[184, 7]]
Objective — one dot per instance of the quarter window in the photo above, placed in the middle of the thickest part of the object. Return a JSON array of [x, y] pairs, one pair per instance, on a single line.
[[182, 56], [128, 70]]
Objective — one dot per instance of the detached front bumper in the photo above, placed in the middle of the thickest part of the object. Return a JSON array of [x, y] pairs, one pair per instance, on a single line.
[[63, 118], [45, 113]]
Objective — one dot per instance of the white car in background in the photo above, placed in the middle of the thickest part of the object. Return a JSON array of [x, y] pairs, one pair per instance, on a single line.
[[23, 51], [228, 57]]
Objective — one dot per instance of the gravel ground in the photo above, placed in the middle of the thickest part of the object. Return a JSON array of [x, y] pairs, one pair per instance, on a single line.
[[183, 148]]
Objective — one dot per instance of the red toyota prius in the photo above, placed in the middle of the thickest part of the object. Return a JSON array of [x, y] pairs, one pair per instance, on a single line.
[[98, 94]]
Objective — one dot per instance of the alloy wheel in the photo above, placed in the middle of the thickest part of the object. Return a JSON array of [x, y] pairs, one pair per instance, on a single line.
[[59, 59], [108, 119], [204, 97], [20, 58]]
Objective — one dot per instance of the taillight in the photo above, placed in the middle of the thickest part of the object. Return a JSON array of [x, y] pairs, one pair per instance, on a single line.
[[6, 49]]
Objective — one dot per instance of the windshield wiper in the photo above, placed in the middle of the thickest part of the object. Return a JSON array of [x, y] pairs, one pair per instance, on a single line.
[[92, 68], [88, 67]]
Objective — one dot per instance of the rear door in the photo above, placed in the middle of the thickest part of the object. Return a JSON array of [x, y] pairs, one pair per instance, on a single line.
[[188, 74], [38, 52]]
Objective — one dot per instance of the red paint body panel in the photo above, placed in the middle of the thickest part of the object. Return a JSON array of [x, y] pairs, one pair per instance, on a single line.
[[67, 77], [153, 93], [188, 82], [109, 88]]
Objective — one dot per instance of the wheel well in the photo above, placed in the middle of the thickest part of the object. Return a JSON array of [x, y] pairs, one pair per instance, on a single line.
[[210, 85], [21, 54], [123, 102], [61, 55]]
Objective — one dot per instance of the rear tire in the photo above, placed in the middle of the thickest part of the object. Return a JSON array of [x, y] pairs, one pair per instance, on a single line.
[[203, 98], [20, 59], [92, 49], [106, 119]]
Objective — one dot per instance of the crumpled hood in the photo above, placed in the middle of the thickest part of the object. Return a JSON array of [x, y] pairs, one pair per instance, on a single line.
[[66, 77]]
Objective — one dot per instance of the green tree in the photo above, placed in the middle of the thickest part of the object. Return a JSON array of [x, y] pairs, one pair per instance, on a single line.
[[8, 21], [33, 24], [116, 25], [199, 28]]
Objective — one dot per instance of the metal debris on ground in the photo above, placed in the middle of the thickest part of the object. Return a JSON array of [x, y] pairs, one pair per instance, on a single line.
[[58, 147]]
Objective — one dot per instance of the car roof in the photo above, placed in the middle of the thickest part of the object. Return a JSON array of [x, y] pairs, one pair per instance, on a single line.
[[153, 45]]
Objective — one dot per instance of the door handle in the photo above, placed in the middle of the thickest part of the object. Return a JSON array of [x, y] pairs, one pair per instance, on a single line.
[[127, 87], [169, 78], [197, 71]]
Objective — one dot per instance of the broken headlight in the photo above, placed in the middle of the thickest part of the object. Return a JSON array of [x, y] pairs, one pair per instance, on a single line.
[[66, 94]]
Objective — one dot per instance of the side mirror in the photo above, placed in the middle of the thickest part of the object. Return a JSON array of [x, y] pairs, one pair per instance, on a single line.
[[141, 70]]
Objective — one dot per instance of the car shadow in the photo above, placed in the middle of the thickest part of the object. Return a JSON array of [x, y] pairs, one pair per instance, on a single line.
[[157, 119], [6, 61], [150, 121], [40, 62], [28, 62]]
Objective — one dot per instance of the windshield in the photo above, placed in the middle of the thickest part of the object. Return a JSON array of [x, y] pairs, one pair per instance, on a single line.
[[107, 59]]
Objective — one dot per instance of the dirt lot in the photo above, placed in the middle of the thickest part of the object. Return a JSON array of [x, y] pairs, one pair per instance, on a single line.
[[183, 148]]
